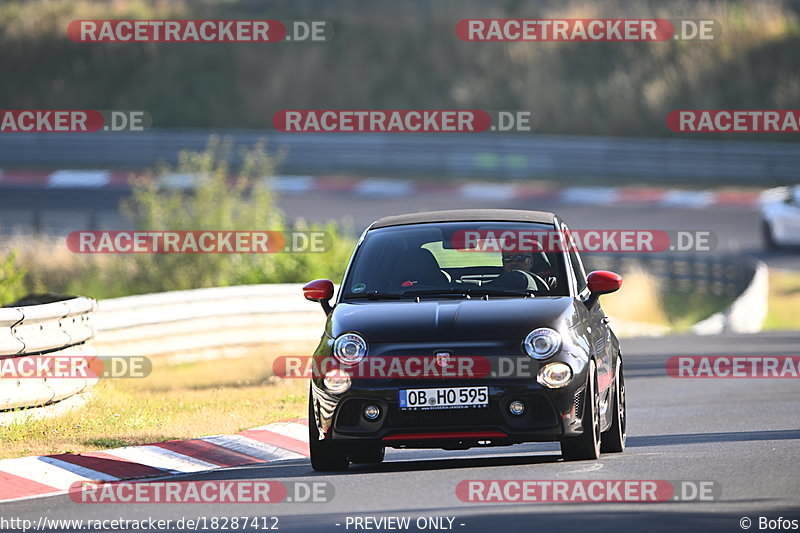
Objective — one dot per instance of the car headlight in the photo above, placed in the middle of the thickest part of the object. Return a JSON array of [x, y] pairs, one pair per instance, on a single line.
[[350, 349], [541, 343], [555, 375]]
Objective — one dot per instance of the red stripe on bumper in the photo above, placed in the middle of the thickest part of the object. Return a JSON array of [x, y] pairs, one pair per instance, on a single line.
[[453, 435]]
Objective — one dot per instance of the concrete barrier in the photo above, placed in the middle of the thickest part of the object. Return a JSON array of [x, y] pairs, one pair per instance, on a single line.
[[747, 312]]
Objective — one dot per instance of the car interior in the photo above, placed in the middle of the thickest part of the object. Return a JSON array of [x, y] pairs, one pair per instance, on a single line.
[[392, 262]]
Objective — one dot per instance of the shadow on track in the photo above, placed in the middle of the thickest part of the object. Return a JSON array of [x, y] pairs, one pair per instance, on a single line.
[[301, 468], [727, 436]]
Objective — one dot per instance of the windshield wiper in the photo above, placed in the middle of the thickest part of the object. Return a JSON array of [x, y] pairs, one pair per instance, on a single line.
[[375, 295], [413, 293], [469, 292], [455, 293], [436, 292], [480, 291]]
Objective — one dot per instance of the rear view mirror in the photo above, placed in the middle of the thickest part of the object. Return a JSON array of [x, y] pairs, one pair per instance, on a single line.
[[603, 282], [319, 290]]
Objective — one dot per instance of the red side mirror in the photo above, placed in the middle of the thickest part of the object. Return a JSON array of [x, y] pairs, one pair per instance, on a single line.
[[319, 290], [603, 282]]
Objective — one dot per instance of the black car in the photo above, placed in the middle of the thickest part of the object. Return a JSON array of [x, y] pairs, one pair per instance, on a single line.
[[413, 288]]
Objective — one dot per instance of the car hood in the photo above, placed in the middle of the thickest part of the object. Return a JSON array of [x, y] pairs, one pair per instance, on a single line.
[[442, 320]]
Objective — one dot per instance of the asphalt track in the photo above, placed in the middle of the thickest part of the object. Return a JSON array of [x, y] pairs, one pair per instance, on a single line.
[[742, 433], [737, 227]]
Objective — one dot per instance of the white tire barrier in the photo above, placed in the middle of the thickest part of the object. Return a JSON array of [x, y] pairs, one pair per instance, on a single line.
[[32, 331]]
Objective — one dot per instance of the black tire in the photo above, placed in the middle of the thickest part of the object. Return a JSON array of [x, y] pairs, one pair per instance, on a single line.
[[613, 440], [326, 456], [769, 239], [369, 455], [587, 445]]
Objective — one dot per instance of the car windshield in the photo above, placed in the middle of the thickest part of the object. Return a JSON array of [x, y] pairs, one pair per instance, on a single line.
[[456, 259]]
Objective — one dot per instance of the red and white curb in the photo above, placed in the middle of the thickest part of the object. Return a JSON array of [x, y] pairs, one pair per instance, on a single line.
[[634, 196], [47, 475], [90, 179], [398, 188]]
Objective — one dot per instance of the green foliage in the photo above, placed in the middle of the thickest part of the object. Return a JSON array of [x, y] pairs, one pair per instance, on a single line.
[[12, 280], [405, 54], [217, 204]]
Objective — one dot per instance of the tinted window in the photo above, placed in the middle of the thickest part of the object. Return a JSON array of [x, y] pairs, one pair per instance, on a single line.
[[436, 257]]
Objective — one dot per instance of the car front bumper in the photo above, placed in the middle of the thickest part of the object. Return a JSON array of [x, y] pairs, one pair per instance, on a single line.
[[549, 415]]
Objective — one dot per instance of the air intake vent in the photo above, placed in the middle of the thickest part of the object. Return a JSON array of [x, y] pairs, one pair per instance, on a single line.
[[579, 404]]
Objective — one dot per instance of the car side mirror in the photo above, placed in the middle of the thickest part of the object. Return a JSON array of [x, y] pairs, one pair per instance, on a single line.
[[319, 290], [602, 282]]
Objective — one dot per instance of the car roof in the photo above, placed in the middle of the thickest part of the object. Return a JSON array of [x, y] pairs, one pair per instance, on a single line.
[[466, 215]]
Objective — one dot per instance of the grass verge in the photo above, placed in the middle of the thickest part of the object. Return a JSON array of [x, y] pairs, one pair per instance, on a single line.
[[784, 300], [174, 402]]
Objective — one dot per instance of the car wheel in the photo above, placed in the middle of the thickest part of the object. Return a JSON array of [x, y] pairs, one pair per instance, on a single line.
[[587, 445], [326, 456], [613, 440], [369, 455], [769, 238]]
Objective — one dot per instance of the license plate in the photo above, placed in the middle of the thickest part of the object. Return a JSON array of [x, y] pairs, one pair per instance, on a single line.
[[444, 398]]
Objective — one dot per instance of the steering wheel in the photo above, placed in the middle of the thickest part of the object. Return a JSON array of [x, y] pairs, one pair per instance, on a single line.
[[539, 279]]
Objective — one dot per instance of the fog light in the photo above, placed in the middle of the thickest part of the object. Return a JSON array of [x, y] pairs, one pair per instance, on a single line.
[[516, 408], [555, 375], [372, 412], [336, 381]]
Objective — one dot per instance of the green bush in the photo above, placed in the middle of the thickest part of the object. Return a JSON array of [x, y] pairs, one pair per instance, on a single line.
[[215, 204], [12, 280]]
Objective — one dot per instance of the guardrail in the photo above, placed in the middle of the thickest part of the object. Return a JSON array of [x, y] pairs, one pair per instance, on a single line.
[[742, 280], [718, 275], [206, 323], [746, 314], [30, 331], [446, 155]]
